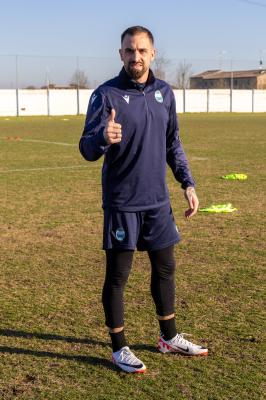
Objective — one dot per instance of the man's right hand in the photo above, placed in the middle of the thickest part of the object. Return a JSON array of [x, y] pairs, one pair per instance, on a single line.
[[113, 131], [193, 201]]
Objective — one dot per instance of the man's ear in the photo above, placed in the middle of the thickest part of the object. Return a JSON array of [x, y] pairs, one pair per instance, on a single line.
[[121, 56], [154, 54]]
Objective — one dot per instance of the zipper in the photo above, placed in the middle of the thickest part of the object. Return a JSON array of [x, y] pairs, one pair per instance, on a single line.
[[147, 110], [146, 104]]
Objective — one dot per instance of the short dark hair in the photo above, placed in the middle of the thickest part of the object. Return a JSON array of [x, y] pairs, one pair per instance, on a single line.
[[134, 30]]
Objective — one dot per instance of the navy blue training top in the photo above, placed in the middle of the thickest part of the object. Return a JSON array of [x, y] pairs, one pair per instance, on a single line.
[[134, 170]]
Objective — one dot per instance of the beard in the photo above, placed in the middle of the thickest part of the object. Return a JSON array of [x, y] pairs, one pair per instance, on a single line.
[[135, 73]]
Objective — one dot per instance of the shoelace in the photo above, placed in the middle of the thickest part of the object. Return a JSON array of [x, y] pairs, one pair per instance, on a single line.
[[127, 356], [183, 340]]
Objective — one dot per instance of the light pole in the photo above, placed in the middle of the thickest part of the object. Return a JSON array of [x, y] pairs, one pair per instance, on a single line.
[[261, 58], [231, 85], [17, 100], [78, 83], [47, 90]]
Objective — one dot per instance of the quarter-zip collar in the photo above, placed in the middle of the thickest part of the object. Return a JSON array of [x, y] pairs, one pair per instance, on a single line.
[[126, 82]]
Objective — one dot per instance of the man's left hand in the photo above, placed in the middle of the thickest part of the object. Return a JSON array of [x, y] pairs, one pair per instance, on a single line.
[[193, 202]]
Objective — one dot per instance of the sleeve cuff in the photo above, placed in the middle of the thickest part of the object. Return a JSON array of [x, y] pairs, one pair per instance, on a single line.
[[188, 184], [100, 139]]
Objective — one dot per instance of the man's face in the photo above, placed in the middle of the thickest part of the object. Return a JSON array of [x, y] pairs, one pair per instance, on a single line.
[[137, 53]]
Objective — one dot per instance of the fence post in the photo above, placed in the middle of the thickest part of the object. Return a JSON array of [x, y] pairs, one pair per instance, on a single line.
[[231, 87], [77, 100], [47, 91], [78, 85], [17, 103], [252, 108], [184, 100], [48, 101], [208, 100]]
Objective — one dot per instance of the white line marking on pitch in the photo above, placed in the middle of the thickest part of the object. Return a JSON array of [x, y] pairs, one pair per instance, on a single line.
[[199, 158], [39, 141], [47, 141], [43, 169]]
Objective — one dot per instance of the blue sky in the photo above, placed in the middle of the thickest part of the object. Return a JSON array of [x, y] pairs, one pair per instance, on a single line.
[[191, 30]]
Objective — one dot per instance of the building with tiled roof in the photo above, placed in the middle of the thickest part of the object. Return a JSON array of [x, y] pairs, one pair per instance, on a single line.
[[217, 79]]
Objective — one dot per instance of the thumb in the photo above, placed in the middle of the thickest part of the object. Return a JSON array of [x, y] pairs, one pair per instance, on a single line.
[[112, 115]]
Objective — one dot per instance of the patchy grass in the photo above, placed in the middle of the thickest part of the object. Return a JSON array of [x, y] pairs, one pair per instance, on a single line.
[[53, 343]]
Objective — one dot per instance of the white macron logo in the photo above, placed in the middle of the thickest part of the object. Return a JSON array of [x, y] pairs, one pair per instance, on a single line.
[[93, 98], [126, 97]]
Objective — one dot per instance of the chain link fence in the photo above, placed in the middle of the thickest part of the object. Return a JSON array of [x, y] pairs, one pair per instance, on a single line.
[[31, 85], [35, 72]]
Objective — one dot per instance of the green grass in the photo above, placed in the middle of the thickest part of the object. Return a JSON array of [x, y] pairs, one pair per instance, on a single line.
[[53, 343]]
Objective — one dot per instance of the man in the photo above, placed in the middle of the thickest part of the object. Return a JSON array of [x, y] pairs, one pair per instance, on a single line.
[[132, 121]]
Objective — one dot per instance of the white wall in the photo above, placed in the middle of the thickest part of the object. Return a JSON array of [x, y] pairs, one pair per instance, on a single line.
[[179, 99], [242, 101], [32, 102], [84, 97], [8, 106], [196, 100], [65, 101], [260, 100], [219, 100]]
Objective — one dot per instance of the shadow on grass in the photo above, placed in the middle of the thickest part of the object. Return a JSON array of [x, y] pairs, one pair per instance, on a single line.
[[49, 336], [68, 339], [36, 353]]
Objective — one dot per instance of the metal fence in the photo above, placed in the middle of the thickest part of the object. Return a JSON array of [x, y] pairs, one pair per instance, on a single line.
[[28, 71]]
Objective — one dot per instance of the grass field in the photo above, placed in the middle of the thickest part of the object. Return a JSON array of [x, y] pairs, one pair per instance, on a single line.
[[53, 344]]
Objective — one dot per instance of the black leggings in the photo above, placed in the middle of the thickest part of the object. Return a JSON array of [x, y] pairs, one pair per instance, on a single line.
[[118, 265]]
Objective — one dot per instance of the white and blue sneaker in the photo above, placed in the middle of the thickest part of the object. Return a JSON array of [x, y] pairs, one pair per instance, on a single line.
[[178, 344], [127, 361]]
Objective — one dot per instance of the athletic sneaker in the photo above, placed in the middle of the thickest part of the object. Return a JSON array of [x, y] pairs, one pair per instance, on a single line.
[[127, 361], [178, 344]]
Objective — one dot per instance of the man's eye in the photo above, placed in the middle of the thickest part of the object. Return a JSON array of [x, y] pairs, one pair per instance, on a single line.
[[129, 51]]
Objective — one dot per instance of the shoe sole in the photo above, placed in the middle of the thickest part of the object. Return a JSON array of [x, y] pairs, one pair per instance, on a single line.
[[165, 350], [184, 354]]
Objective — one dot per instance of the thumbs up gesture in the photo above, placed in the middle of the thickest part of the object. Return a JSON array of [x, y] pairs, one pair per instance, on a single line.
[[112, 132]]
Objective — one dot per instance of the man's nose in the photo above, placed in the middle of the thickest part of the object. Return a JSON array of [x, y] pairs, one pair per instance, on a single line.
[[136, 56]]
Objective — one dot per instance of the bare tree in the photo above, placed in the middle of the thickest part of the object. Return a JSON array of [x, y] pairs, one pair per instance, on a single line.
[[79, 79], [160, 65], [183, 74]]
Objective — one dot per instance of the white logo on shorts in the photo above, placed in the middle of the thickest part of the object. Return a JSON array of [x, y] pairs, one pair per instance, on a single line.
[[120, 234]]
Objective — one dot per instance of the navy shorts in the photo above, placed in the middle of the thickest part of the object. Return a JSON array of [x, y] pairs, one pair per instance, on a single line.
[[143, 230]]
